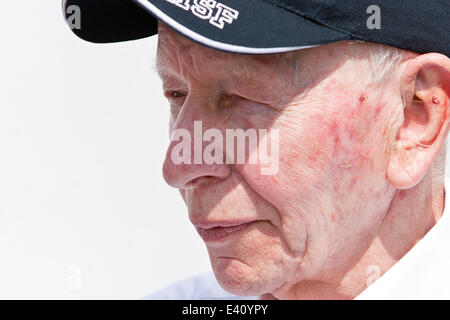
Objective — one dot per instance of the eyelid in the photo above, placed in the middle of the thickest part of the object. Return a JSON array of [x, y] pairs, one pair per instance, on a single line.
[[169, 94]]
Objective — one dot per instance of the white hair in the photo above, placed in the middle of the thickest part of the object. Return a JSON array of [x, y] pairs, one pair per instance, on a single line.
[[383, 59]]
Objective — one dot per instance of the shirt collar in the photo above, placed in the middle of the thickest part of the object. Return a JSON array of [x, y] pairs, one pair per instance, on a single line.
[[424, 271]]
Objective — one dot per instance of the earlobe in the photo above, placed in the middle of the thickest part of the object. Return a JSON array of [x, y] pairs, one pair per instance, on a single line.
[[425, 85]]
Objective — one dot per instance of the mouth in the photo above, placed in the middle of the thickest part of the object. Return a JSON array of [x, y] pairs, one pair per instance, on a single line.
[[219, 232]]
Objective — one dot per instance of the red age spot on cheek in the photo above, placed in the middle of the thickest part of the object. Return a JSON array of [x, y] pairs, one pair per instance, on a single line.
[[362, 98], [435, 100]]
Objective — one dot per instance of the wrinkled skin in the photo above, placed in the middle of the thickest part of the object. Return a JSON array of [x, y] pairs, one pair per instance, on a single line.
[[331, 210]]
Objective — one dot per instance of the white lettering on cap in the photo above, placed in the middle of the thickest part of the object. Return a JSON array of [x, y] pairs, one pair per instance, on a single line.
[[215, 12]]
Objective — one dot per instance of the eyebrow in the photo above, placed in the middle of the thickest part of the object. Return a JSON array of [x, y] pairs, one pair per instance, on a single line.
[[166, 74], [163, 71], [158, 67]]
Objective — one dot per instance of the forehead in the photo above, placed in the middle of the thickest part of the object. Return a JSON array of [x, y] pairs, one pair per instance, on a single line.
[[177, 54], [268, 78]]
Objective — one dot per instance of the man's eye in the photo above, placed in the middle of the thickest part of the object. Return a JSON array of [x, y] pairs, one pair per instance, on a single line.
[[175, 94]]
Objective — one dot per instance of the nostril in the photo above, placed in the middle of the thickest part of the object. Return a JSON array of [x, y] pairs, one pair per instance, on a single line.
[[199, 180]]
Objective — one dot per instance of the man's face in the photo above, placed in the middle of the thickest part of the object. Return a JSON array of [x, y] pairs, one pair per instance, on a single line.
[[311, 218]]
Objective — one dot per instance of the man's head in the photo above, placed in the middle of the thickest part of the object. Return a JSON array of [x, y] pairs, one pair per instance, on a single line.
[[357, 124], [357, 151]]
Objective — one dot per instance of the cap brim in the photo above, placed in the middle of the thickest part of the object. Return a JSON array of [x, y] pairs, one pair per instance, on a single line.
[[102, 21], [250, 26]]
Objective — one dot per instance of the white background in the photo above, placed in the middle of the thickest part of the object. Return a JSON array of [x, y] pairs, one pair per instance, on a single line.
[[84, 210]]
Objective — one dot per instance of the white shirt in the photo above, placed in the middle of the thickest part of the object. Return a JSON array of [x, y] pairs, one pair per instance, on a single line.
[[423, 273], [201, 287]]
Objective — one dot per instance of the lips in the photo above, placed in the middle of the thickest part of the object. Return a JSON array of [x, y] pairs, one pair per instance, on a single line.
[[217, 232]]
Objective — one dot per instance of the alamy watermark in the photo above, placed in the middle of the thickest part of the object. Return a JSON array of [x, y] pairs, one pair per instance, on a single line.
[[73, 17], [374, 20], [73, 278], [233, 149]]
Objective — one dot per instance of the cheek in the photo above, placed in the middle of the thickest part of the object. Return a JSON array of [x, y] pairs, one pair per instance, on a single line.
[[334, 151], [303, 158]]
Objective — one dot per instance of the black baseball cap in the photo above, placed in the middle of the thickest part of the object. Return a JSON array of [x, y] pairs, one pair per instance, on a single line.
[[270, 26]]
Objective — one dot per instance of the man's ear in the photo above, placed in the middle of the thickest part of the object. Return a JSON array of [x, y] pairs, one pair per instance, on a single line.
[[425, 88]]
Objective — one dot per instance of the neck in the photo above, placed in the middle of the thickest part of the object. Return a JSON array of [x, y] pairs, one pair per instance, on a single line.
[[411, 214]]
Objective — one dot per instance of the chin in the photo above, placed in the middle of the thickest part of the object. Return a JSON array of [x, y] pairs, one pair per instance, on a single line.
[[241, 279]]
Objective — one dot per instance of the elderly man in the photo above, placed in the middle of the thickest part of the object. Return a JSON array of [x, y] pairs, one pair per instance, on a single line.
[[361, 112]]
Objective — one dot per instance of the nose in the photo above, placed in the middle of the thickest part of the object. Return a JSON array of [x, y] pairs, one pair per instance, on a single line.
[[185, 165]]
